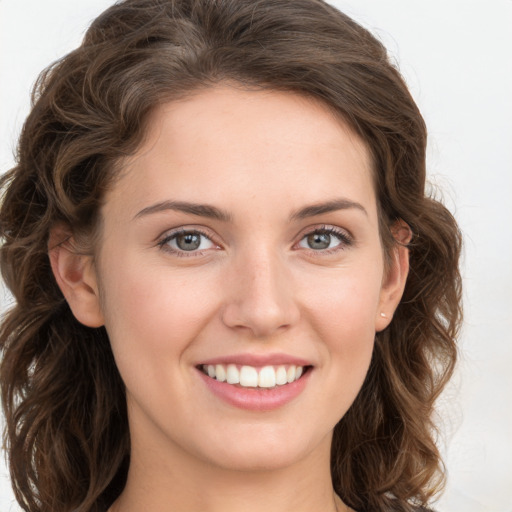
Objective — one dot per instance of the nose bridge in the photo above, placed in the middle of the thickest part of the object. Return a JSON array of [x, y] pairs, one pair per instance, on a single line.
[[261, 292]]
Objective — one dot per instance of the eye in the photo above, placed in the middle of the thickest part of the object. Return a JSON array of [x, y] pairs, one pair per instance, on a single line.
[[325, 239], [186, 241]]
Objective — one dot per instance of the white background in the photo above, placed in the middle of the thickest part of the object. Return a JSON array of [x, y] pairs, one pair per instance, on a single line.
[[456, 57]]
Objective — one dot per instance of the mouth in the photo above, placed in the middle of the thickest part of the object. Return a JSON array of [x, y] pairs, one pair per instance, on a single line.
[[264, 377]]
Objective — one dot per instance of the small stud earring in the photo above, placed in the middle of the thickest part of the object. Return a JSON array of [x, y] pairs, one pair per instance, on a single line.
[[383, 315]]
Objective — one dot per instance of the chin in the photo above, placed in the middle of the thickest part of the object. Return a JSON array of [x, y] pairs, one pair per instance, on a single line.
[[259, 449], [255, 459]]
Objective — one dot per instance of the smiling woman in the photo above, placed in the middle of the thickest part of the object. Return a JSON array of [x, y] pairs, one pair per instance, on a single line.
[[232, 292]]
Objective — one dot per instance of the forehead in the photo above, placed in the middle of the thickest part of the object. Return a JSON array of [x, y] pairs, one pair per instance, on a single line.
[[225, 141]]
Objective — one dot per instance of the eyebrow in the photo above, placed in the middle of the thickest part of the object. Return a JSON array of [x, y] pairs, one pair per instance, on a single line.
[[212, 212], [201, 210], [327, 207]]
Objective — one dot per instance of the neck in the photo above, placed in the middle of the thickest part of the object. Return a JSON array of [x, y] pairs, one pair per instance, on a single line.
[[266, 494], [175, 482]]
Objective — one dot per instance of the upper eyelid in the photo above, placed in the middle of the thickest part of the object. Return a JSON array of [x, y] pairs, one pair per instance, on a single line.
[[325, 227], [344, 236], [163, 242], [169, 233]]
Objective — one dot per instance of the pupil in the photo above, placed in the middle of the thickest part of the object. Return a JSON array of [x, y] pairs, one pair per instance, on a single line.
[[188, 242], [319, 240]]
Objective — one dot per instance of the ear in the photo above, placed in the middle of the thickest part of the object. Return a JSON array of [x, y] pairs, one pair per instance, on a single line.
[[76, 276], [393, 284]]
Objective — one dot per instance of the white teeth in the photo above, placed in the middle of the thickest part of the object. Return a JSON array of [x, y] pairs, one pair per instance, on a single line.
[[248, 377], [220, 373], [251, 377], [267, 378], [232, 374], [281, 376]]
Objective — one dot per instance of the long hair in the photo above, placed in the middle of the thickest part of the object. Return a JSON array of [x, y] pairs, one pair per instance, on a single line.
[[66, 431]]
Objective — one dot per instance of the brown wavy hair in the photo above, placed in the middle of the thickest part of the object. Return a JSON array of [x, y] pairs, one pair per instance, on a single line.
[[66, 433]]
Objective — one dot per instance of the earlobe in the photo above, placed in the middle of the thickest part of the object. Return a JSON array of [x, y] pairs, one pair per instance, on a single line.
[[76, 277], [394, 281]]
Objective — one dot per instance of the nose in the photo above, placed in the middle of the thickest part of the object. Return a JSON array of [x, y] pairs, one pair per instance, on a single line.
[[260, 297]]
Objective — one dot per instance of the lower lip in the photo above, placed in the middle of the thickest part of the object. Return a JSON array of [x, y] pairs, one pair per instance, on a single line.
[[256, 399]]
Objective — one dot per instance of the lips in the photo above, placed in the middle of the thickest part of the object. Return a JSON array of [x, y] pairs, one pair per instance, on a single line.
[[259, 383]]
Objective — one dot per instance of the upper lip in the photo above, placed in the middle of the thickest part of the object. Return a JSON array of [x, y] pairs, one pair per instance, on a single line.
[[257, 360]]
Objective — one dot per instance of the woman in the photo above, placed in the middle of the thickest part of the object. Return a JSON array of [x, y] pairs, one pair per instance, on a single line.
[[231, 290]]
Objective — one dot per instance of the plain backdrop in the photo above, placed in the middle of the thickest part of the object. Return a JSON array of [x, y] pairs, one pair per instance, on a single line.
[[456, 58]]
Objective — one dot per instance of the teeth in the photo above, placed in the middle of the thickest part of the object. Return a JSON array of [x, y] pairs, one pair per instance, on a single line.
[[251, 377], [248, 377], [267, 378], [232, 374], [281, 376], [220, 373]]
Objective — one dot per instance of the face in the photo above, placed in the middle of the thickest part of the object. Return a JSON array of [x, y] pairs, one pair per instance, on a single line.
[[241, 243]]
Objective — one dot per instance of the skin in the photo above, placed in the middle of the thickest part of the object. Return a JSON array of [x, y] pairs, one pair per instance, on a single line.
[[255, 286]]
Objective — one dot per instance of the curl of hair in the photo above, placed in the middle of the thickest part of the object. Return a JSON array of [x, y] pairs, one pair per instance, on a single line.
[[66, 423]]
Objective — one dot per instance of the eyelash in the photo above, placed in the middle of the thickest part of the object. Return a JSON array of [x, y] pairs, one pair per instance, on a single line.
[[163, 244], [344, 238]]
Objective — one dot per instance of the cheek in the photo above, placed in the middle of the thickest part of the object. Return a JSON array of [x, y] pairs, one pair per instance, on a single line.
[[151, 313], [343, 319], [349, 330], [345, 303]]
